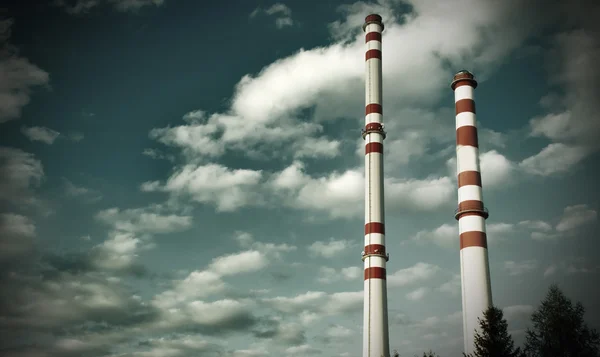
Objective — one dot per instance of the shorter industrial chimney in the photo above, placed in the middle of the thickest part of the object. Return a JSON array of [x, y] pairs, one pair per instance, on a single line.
[[471, 213]]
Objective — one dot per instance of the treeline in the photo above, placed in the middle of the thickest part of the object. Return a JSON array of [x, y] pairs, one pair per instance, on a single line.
[[557, 330]]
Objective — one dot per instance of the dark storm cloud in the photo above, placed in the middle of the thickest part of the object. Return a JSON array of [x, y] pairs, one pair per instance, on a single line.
[[46, 297], [17, 76], [40, 315], [67, 301], [65, 308], [185, 345], [77, 349], [53, 264], [65, 305], [266, 328], [240, 322], [17, 235]]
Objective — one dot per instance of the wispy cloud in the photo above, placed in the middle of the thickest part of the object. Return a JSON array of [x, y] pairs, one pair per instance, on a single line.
[[20, 174], [572, 220], [517, 312], [157, 154], [76, 136], [329, 275], [571, 265], [85, 6], [40, 133], [452, 286], [281, 12], [520, 268], [85, 193]]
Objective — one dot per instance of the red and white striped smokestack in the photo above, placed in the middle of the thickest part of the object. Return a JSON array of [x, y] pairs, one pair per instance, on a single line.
[[375, 328], [471, 213]]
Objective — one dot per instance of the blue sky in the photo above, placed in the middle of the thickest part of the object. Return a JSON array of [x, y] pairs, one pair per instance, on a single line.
[[181, 178]]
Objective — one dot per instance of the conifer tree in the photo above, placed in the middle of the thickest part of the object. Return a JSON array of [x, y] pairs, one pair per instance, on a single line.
[[494, 339], [558, 329]]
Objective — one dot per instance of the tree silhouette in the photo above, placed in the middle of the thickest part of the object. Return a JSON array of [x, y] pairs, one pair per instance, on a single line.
[[494, 339], [559, 329]]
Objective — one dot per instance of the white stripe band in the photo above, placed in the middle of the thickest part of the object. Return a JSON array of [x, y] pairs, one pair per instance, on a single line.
[[463, 92]]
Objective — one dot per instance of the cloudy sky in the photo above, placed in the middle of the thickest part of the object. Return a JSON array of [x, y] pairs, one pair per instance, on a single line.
[[179, 178]]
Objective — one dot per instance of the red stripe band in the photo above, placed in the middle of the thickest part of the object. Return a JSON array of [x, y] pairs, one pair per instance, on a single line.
[[375, 273], [373, 36], [374, 227], [375, 249], [373, 108], [465, 105], [466, 178], [464, 82], [373, 18], [470, 205], [373, 147], [372, 54], [473, 239], [467, 136]]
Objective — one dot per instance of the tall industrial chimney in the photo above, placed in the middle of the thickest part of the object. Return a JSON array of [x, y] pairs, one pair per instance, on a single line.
[[471, 213], [375, 327]]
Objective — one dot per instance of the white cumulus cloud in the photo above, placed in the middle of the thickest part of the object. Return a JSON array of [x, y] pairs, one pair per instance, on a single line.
[[226, 188], [281, 12], [576, 216], [445, 235], [417, 273], [329, 249], [554, 158], [244, 262], [328, 275], [417, 294]]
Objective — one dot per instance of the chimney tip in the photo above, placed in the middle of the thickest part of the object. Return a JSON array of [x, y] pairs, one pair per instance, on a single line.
[[373, 19], [463, 76]]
